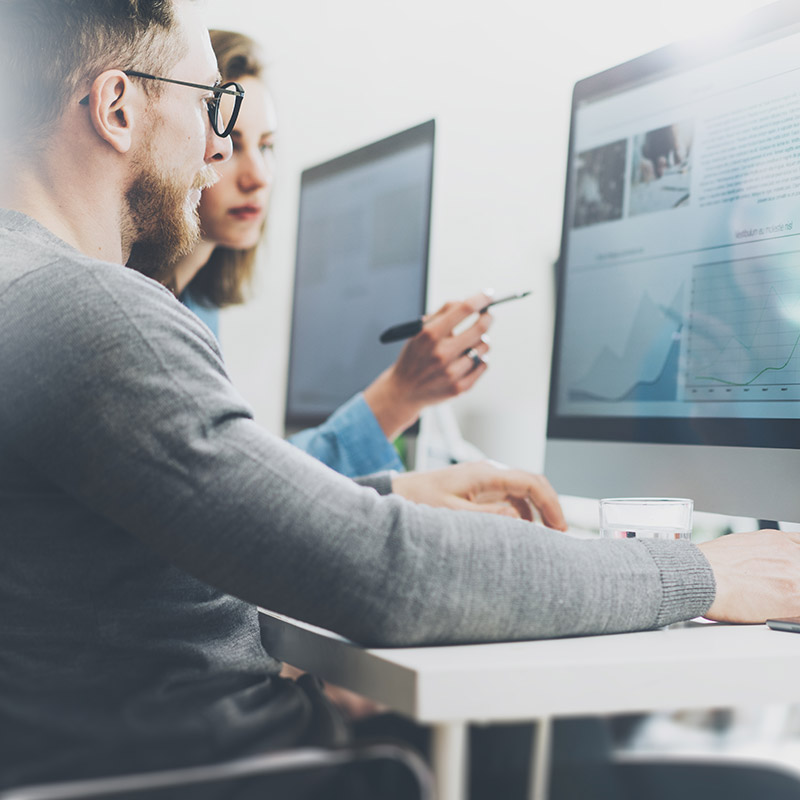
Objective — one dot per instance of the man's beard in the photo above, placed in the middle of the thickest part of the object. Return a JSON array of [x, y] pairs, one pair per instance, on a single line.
[[161, 224]]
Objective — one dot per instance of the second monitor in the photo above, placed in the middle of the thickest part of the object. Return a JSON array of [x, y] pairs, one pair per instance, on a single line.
[[362, 263]]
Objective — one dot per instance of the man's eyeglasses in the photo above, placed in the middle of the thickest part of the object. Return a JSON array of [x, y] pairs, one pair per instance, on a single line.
[[223, 107]]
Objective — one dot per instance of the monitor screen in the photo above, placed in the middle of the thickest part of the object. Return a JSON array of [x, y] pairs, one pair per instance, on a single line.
[[676, 363], [362, 262]]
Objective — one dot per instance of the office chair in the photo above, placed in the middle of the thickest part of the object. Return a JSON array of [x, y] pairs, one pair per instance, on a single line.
[[657, 778], [701, 778], [369, 772], [585, 766]]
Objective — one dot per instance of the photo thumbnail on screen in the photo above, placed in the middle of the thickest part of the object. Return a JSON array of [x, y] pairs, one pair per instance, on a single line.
[[600, 184], [661, 174]]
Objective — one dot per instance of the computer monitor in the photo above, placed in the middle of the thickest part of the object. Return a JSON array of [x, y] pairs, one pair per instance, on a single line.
[[361, 266], [676, 360]]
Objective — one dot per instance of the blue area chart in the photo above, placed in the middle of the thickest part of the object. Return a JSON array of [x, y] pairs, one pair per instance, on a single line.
[[646, 369]]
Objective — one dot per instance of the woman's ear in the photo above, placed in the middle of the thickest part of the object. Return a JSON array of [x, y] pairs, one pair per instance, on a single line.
[[111, 109]]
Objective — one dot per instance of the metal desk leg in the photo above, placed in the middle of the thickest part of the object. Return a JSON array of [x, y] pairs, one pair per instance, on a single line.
[[540, 760], [450, 751]]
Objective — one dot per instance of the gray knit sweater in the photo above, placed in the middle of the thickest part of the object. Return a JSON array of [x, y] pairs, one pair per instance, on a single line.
[[144, 514]]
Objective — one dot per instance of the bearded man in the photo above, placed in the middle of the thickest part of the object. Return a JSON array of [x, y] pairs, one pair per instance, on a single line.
[[144, 514]]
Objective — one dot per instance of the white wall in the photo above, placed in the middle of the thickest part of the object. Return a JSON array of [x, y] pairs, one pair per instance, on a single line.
[[497, 77]]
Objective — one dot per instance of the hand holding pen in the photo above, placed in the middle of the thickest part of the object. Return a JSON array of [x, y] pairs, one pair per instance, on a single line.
[[434, 365], [405, 330]]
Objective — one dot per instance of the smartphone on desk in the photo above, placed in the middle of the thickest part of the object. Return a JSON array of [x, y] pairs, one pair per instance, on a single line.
[[791, 624]]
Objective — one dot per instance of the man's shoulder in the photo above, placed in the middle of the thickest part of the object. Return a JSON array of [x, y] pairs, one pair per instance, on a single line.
[[26, 247], [31, 253], [51, 292], [41, 274]]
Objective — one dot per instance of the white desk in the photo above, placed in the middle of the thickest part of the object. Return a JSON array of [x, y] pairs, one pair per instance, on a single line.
[[449, 687]]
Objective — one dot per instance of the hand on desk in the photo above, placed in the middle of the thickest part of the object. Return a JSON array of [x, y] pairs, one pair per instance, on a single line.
[[487, 487], [432, 367], [757, 575]]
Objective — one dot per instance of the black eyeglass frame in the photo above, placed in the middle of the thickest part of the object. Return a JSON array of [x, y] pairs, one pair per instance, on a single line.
[[213, 106]]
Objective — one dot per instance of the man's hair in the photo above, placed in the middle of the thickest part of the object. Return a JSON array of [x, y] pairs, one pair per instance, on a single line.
[[223, 279], [51, 51]]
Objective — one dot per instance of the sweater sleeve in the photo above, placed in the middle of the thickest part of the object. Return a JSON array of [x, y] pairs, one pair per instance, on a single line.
[[381, 482], [117, 396], [350, 441]]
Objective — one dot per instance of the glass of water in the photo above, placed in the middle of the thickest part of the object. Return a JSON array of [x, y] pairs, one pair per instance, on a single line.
[[646, 518]]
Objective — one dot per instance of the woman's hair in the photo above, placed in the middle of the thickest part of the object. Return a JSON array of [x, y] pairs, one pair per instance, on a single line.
[[221, 282]]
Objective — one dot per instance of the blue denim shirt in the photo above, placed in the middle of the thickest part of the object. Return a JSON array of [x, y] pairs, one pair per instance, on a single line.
[[350, 441], [208, 314]]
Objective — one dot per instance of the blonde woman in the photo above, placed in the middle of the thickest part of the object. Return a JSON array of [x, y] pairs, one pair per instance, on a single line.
[[434, 365]]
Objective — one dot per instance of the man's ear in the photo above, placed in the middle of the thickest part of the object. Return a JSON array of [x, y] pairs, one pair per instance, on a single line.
[[111, 109]]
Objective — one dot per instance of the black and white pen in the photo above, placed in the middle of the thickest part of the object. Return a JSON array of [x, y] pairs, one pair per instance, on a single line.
[[405, 330]]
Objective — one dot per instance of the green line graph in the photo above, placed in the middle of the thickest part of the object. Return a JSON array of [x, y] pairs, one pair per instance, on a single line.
[[744, 325], [757, 375]]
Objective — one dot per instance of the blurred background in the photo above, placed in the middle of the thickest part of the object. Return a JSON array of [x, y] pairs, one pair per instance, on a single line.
[[498, 79]]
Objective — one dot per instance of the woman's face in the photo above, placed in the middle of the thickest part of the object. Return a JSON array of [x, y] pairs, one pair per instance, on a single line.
[[233, 210]]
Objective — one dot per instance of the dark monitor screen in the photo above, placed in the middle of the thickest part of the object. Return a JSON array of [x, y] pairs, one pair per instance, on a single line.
[[361, 266], [676, 364]]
